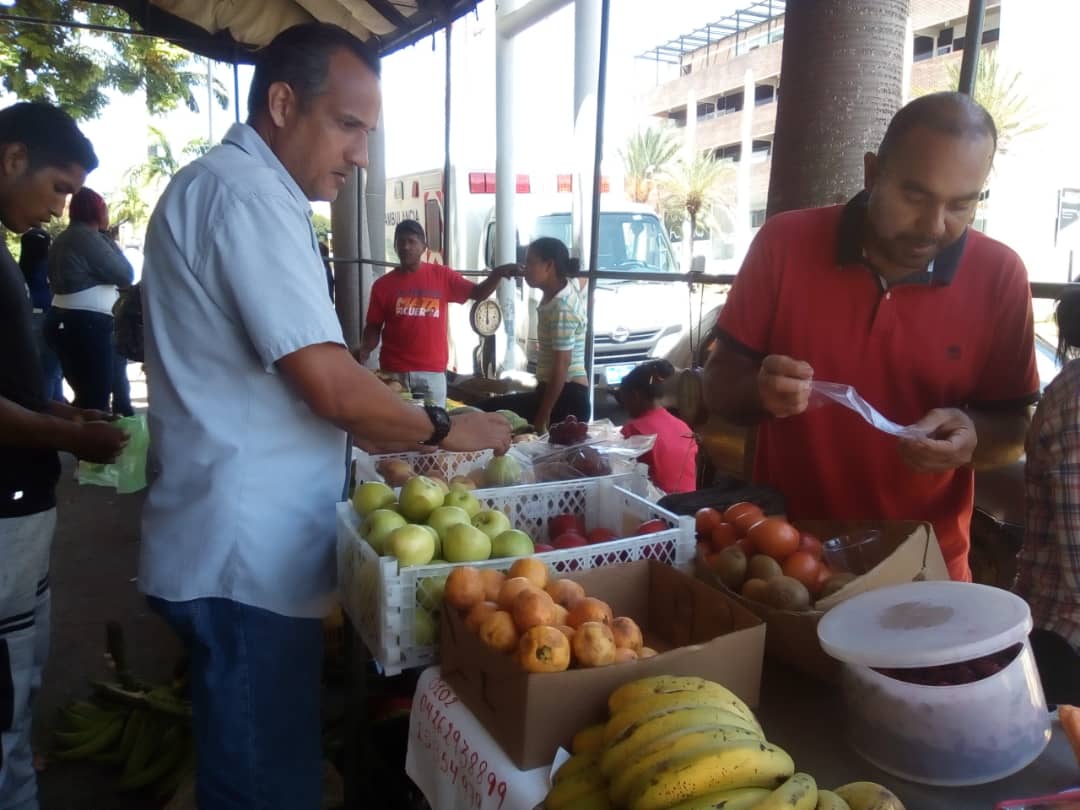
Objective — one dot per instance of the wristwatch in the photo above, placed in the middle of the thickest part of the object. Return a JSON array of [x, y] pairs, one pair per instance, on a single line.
[[440, 421]]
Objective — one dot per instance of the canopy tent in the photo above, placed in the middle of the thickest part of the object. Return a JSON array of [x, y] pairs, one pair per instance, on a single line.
[[230, 30]]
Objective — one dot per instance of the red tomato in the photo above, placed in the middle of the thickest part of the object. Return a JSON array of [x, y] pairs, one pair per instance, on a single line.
[[722, 536], [746, 521], [732, 513], [747, 546], [651, 526], [705, 520], [824, 572], [704, 550], [775, 537], [809, 543], [802, 566]]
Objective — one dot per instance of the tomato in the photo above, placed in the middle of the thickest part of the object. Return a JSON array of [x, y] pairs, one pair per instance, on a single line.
[[704, 550], [775, 537], [722, 536], [824, 572], [732, 513], [651, 526], [802, 566], [809, 543], [707, 519], [747, 546]]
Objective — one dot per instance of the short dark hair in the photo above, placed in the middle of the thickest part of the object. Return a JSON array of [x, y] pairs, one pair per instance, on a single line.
[[409, 226], [51, 136], [300, 57], [950, 113], [550, 249], [648, 378], [1067, 316]]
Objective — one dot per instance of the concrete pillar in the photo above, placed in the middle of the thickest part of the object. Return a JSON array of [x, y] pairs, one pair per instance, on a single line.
[[505, 186], [344, 222], [374, 213], [689, 150], [742, 176], [586, 76]]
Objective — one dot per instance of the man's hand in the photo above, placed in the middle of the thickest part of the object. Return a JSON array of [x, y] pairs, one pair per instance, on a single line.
[[784, 385], [361, 354], [507, 271], [98, 441], [478, 431], [950, 441], [87, 415]]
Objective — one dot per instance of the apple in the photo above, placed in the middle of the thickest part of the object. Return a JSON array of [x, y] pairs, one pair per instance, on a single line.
[[652, 526], [502, 471], [512, 543], [466, 543], [541, 548], [441, 482], [378, 525], [491, 522], [372, 495], [567, 522], [436, 538], [446, 516], [429, 592], [463, 499], [419, 498], [411, 544], [423, 628], [569, 540], [395, 471], [601, 536], [462, 481]]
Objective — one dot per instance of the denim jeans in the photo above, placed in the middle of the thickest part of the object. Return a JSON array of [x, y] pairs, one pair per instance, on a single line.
[[24, 646], [431, 385], [50, 363], [83, 341], [255, 691]]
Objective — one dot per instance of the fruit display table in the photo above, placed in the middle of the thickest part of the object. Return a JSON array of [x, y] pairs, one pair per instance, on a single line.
[[456, 763]]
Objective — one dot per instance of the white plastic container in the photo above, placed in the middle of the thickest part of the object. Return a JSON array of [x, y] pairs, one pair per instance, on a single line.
[[965, 734]]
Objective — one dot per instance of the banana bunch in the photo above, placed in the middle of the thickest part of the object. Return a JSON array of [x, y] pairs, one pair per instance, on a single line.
[[682, 743]]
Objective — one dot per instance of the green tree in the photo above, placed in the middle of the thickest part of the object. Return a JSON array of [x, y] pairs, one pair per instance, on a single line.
[[699, 190], [127, 204], [322, 227], [73, 69], [647, 155]]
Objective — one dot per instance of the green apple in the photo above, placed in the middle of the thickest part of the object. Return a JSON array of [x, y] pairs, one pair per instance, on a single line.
[[463, 499], [512, 543], [411, 544], [441, 483], [423, 628], [438, 540], [446, 516], [419, 497], [461, 482], [378, 525], [502, 471], [491, 522], [429, 593], [372, 495], [466, 543]]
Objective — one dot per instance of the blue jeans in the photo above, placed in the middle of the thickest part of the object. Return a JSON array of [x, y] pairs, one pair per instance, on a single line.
[[431, 385], [50, 363], [255, 691], [83, 341], [24, 646]]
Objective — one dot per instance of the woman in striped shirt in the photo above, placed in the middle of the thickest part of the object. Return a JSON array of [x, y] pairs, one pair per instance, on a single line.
[[562, 385]]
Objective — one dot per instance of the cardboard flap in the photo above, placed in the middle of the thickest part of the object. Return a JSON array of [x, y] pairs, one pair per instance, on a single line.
[[688, 611]]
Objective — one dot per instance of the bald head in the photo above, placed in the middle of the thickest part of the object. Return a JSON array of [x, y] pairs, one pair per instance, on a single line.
[[948, 113]]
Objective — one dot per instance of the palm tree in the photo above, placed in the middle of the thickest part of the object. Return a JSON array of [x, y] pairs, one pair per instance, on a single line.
[[647, 154], [841, 80], [698, 189]]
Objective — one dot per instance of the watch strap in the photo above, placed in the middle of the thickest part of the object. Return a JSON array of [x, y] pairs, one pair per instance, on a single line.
[[440, 422]]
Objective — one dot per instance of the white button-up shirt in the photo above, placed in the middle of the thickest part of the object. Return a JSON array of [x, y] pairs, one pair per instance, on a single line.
[[244, 475]]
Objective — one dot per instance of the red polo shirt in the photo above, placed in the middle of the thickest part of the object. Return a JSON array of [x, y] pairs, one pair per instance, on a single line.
[[961, 334]]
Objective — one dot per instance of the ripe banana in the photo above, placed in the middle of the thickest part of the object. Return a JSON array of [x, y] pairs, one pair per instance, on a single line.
[[595, 800], [668, 684], [93, 742], [827, 800], [588, 739], [681, 720], [797, 793], [679, 744], [868, 796], [576, 764], [737, 799], [662, 704], [742, 763], [567, 792]]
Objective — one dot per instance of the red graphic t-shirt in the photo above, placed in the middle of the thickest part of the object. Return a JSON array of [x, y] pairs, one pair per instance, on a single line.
[[411, 309]]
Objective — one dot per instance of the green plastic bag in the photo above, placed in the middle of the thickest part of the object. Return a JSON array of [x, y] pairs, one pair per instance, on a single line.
[[128, 473]]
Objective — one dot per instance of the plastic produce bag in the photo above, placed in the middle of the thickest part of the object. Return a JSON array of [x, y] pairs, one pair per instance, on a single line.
[[847, 396], [128, 473], [605, 451]]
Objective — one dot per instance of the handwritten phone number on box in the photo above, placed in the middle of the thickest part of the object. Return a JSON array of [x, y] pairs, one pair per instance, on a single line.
[[457, 760]]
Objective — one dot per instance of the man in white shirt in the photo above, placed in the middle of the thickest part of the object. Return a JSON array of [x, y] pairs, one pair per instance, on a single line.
[[252, 392]]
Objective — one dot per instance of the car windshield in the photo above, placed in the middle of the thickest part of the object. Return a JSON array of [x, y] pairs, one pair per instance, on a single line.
[[629, 242]]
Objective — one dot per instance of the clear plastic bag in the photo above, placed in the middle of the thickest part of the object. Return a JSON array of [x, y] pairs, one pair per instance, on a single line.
[[605, 452], [823, 392], [128, 473]]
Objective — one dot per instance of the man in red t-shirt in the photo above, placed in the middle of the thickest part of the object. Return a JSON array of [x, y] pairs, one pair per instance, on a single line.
[[408, 312], [893, 294]]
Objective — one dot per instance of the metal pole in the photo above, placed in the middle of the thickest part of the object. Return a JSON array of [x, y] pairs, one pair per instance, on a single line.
[[448, 210], [594, 242], [236, 89], [972, 41], [209, 102], [505, 221]]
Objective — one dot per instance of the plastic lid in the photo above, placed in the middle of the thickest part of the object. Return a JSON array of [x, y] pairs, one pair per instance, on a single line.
[[924, 624]]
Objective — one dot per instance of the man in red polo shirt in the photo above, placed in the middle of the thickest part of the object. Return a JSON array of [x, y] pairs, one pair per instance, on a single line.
[[408, 312], [896, 295]]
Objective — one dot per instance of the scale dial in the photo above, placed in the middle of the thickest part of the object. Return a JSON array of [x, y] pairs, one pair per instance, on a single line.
[[485, 317]]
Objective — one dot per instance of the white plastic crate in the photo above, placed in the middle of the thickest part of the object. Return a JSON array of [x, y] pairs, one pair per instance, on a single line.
[[381, 599], [441, 462]]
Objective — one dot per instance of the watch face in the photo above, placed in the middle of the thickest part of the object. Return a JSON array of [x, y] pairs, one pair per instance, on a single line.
[[486, 318]]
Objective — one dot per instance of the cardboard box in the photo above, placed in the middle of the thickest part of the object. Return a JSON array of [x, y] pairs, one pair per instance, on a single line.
[[696, 629], [792, 636]]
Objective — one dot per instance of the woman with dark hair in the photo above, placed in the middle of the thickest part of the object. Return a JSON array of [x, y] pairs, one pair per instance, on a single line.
[[86, 270], [672, 462], [34, 263], [562, 384]]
